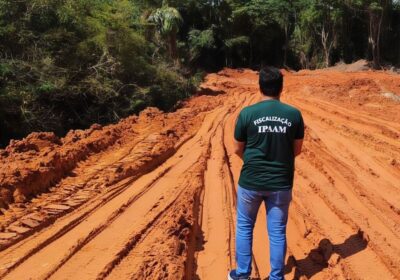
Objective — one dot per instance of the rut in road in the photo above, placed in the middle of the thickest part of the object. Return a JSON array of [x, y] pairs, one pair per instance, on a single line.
[[160, 203]]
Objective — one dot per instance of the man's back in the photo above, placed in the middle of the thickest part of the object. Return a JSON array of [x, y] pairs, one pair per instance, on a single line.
[[269, 129], [269, 134]]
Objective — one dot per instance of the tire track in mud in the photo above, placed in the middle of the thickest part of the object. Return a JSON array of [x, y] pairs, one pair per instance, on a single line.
[[124, 266], [369, 163], [349, 199], [116, 214], [215, 219], [111, 194], [176, 219], [356, 194], [215, 130], [381, 203], [331, 244], [342, 266], [167, 188], [97, 230], [221, 175], [78, 221], [52, 235], [215, 137], [85, 178]]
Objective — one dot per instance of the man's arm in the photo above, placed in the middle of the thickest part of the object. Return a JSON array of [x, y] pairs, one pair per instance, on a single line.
[[299, 135], [298, 144], [240, 136], [239, 148]]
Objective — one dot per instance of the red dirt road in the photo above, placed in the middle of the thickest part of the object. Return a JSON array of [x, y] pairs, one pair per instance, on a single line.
[[153, 197]]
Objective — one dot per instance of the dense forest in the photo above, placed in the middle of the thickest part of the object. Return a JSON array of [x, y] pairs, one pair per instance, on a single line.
[[65, 64]]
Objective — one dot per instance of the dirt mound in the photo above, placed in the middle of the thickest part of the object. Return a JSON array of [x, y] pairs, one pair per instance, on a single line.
[[30, 166], [153, 197], [358, 66]]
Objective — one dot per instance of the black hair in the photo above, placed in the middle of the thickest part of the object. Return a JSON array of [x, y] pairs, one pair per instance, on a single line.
[[271, 81]]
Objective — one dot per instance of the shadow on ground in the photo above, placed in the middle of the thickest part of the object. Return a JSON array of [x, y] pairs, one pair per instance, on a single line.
[[324, 255]]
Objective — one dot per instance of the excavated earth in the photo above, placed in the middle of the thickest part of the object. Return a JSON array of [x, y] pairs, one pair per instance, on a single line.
[[153, 197]]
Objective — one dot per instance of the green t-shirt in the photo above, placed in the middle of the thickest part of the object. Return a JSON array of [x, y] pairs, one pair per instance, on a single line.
[[269, 128]]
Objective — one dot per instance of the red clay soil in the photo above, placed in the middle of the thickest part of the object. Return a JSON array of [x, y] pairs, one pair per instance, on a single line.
[[153, 197]]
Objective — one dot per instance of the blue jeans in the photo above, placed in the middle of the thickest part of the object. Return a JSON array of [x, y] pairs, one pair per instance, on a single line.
[[277, 206]]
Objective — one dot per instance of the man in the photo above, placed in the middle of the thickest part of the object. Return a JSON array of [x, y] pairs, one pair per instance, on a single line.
[[268, 136]]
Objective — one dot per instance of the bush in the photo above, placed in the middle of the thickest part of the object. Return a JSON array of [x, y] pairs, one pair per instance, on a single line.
[[68, 64]]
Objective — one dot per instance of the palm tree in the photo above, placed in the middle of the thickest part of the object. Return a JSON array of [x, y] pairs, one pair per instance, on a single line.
[[167, 21]]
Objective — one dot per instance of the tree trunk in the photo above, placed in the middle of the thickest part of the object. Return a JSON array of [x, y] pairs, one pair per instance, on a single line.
[[327, 62], [285, 47], [303, 60], [251, 51], [327, 50], [172, 46], [374, 34], [382, 14], [378, 39]]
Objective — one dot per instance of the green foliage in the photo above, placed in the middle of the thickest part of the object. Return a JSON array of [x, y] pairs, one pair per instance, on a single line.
[[236, 41], [167, 20], [67, 64], [200, 41]]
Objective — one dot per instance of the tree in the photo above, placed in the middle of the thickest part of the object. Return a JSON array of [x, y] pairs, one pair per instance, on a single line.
[[167, 21], [200, 42], [330, 18], [68, 64], [322, 19], [284, 14], [252, 19], [375, 10]]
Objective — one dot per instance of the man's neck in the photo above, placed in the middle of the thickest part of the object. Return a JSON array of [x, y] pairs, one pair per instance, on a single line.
[[264, 97]]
